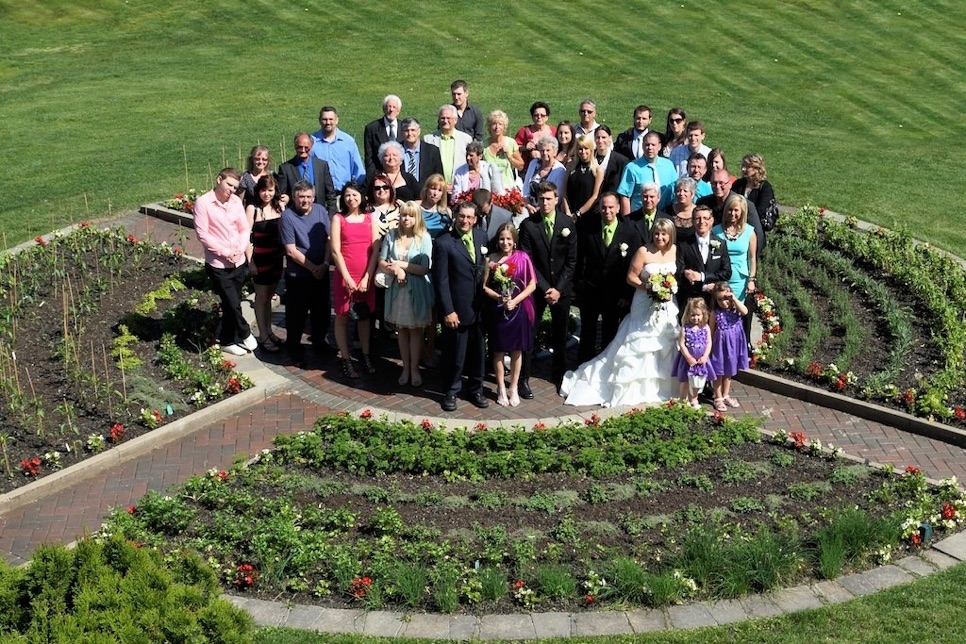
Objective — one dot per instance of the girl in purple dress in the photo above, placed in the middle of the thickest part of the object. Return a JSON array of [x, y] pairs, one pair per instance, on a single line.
[[509, 282], [729, 350], [692, 366]]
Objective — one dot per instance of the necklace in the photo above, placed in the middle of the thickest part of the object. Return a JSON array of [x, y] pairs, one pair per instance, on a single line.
[[731, 236]]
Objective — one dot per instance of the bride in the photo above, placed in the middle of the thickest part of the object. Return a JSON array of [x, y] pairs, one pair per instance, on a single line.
[[635, 369]]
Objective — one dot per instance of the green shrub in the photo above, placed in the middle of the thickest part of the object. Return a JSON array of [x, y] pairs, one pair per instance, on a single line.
[[555, 582]]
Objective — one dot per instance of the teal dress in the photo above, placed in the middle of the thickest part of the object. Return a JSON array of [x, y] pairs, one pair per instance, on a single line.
[[409, 306], [738, 254]]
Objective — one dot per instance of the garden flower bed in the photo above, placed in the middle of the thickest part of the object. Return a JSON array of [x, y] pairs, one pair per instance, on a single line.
[[647, 508], [103, 337]]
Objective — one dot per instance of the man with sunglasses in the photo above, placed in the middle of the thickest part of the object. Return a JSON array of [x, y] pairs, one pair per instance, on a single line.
[[588, 118], [720, 191], [306, 167]]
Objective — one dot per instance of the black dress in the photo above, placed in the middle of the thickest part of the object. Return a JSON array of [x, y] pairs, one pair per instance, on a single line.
[[580, 186], [266, 249]]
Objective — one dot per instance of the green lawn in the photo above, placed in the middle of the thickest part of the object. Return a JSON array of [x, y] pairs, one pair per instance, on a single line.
[[856, 105]]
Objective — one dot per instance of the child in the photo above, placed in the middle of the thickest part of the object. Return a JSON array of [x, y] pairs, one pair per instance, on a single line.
[[692, 366], [729, 349]]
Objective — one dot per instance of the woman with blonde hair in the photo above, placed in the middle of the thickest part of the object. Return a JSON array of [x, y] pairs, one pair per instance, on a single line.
[[585, 179], [501, 151], [754, 185]]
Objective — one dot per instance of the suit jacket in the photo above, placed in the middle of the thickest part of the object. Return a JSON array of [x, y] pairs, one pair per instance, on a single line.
[[624, 143], [497, 217], [716, 269], [613, 172], [430, 162], [372, 137], [459, 153], [601, 271], [555, 259], [457, 279], [718, 209], [325, 194]]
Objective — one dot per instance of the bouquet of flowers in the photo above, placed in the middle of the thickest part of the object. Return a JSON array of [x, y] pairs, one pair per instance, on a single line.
[[462, 197], [182, 202], [662, 286], [511, 199], [503, 277]]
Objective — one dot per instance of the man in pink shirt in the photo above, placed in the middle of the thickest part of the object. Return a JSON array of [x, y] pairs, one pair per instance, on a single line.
[[224, 233]]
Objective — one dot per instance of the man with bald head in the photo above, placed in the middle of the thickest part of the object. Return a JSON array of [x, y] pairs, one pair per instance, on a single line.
[[381, 130], [720, 191], [304, 166]]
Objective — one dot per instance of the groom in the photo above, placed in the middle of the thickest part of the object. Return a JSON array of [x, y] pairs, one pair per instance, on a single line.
[[702, 260]]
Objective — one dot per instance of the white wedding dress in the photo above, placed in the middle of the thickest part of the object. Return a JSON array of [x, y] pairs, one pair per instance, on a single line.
[[634, 369]]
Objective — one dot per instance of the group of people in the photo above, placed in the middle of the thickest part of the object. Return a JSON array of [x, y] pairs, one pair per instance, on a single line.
[[631, 231]]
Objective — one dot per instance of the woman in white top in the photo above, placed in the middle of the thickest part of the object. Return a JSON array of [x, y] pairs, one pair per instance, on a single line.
[[476, 173], [545, 167]]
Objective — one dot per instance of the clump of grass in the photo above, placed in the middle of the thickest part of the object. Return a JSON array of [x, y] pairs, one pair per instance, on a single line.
[[410, 583], [647, 486], [701, 482], [493, 583], [739, 471], [848, 474], [849, 537], [809, 490], [555, 581], [746, 504], [782, 459]]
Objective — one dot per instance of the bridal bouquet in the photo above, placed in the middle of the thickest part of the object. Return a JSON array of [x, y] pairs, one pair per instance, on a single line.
[[663, 286], [503, 277]]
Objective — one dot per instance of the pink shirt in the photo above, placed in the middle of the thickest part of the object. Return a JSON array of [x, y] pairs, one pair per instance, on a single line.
[[222, 229]]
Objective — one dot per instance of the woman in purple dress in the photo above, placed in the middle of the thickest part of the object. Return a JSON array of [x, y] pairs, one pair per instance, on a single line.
[[509, 282]]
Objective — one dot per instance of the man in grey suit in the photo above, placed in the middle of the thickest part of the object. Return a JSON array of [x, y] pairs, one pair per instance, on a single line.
[[491, 217], [450, 141]]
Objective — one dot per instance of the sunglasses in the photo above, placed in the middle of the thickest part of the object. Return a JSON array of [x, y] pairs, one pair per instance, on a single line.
[[380, 188], [677, 120], [586, 111]]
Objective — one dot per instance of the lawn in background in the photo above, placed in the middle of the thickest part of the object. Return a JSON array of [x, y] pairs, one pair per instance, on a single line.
[[855, 105]]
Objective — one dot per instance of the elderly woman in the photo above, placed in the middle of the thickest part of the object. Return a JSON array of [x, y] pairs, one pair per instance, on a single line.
[[753, 183], [259, 165], [405, 186], [545, 167], [586, 178], [476, 173], [682, 208], [501, 151], [528, 135]]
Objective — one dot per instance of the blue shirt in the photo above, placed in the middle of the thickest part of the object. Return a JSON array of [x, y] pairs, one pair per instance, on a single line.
[[309, 233], [435, 222], [639, 172], [342, 154]]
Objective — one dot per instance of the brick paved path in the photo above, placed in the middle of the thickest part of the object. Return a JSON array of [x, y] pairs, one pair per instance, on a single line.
[[64, 516]]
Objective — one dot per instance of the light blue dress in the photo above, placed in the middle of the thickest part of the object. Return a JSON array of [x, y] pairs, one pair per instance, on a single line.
[[738, 254], [409, 306]]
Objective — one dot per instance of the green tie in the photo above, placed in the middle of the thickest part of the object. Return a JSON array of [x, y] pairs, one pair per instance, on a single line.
[[608, 234], [548, 226], [468, 242]]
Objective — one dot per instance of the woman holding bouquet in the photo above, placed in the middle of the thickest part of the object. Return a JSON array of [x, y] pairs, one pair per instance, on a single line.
[[635, 368], [509, 281]]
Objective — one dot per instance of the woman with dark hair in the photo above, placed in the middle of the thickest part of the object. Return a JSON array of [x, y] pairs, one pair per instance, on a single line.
[[566, 144], [476, 173], [381, 198], [258, 165], [754, 185], [675, 133], [528, 135], [717, 161], [266, 261]]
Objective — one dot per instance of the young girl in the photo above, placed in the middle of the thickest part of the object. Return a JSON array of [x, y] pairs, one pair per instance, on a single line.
[[406, 253], [694, 345], [355, 250], [729, 349], [264, 215], [509, 281]]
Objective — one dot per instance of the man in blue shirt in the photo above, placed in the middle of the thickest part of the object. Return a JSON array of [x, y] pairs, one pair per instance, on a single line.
[[338, 149], [651, 167]]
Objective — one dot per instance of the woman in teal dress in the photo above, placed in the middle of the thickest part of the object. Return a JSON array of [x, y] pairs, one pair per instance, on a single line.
[[742, 245]]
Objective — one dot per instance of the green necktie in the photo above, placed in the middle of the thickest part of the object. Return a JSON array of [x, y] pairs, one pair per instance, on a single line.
[[608, 234], [468, 242], [548, 226]]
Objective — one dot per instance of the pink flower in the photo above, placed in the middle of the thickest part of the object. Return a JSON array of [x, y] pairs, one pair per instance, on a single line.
[[366, 413]]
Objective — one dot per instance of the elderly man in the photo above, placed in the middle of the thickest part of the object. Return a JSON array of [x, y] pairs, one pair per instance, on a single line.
[[588, 118], [338, 149], [306, 167], [645, 216], [450, 141], [630, 142], [381, 130], [304, 234], [651, 167], [224, 233], [420, 159], [720, 191], [695, 145], [469, 118]]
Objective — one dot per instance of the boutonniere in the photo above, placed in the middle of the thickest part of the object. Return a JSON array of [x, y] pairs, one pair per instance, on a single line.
[[623, 248], [715, 244], [484, 250], [565, 232]]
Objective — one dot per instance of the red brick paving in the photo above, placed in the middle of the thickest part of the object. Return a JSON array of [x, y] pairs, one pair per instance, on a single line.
[[64, 516]]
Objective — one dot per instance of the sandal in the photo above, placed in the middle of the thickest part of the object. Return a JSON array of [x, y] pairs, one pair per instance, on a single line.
[[732, 402], [694, 403], [367, 364], [277, 340], [347, 369], [269, 345], [719, 404]]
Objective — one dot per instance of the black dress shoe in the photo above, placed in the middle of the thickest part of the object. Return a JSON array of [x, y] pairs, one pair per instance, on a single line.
[[480, 400], [448, 404], [524, 390]]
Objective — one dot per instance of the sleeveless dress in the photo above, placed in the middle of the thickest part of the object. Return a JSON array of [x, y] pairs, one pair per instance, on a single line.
[[738, 254], [408, 306], [502, 163], [356, 246], [266, 250], [635, 368], [729, 347], [696, 340], [580, 185], [511, 330]]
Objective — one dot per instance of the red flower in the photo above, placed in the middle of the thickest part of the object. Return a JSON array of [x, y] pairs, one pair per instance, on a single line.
[[223, 475], [510, 269], [85, 224], [915, 538], [117, 432], [960, 413], [519, 583], [30, 466], [842, 382], [366, 413], [132, 239], [593, 421], [480, 427], [426, 424], [799, 438], [227, 365], [177, 250], [754, 361], [718, 418], [912, 470], [589, 599], [359, 586], [908, 397], [813, 370], [245, 576], [539, 426], [234, 385], [131, 509], [948, 511], [821, 210], [40, 240]]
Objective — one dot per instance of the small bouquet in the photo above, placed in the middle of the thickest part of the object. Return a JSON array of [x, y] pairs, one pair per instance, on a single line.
[[503, 277], [512, 200], [182, 202], [662, 286]]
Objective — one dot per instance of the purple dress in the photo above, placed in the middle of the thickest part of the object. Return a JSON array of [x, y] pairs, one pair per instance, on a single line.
[[511, 330], [729, 349], [696, 340]]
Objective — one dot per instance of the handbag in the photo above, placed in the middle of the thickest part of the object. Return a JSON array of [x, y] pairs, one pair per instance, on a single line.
[[770, 217], [359, 311]]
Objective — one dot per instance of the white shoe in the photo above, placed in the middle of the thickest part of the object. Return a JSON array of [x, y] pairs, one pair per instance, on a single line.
[[234, 349], [250, 343]]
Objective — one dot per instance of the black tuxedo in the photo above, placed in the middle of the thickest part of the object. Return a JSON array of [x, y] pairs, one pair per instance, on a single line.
[[716, 269], [289, 175], [753, 219], [430, 162], [600, 280], [613, 172], [458, 282], [624, 143], [554, 261], [372, 137]]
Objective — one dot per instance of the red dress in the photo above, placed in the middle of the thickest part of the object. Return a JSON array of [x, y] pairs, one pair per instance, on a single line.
[[356, 246]]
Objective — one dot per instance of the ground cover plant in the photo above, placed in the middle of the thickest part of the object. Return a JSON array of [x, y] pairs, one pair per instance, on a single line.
[[103, 337], [647, 508], [868, 313]]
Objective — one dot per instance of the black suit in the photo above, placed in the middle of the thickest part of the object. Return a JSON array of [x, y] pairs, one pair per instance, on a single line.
[[613, 172], [430, 162], [600, 280], [624, 143], [373, 136], [458, 281], [716, 269], [289, 175], [554, 261], [753, 219]]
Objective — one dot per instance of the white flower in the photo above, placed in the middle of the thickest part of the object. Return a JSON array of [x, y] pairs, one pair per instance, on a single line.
[[714, 243], [623, 248], [565, 232], [484, 250]]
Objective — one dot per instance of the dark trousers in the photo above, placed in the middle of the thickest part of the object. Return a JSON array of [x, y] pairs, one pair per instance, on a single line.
[[227, 284], [462, 354], [610, 315], [306, 298], [559, 317]]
